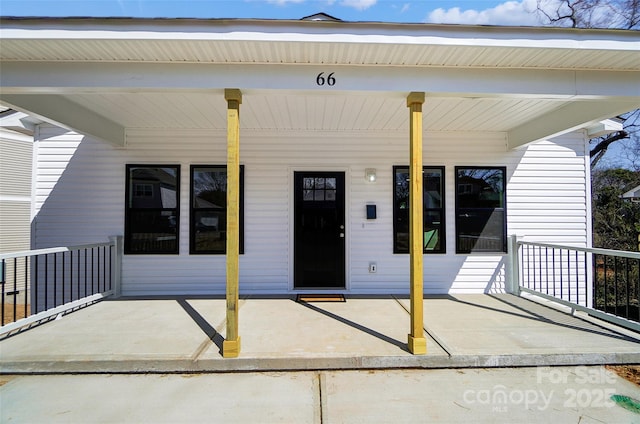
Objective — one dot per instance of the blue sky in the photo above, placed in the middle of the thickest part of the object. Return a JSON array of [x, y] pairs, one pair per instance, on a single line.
[[483, 12]]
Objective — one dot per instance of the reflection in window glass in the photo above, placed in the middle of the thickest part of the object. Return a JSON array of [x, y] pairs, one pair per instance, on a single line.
[[151, 216], [143, 190], [319, 190], [208, 233], [433, 212], [480, 209]]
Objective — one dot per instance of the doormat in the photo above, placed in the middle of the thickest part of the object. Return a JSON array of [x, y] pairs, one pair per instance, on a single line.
[[320, 298]]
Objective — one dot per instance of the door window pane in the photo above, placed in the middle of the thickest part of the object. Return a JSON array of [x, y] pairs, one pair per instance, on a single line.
[[319, 189]]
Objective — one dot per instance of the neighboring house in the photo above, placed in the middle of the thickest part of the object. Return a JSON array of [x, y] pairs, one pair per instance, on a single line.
[[16, 155], [633, 195], [137, 140]]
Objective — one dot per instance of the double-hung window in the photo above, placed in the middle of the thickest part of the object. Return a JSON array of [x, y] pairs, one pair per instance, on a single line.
[[152, 209], [433, 209], [208, 230], [481, 219]]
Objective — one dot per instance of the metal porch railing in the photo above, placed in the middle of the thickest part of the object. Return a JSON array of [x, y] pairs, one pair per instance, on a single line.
[[39, 284], [601, 282]]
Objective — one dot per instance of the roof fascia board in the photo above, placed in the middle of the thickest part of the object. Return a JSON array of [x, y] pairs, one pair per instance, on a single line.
[[568, 118], [330, 32], [604, 127], [19, 122], [66, 114]]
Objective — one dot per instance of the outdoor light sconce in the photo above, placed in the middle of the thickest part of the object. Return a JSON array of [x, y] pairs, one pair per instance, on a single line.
[[370, 175]]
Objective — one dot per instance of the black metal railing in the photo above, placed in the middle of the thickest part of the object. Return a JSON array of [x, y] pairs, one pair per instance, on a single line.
[[617, 285], [594, 279], [40, 280]]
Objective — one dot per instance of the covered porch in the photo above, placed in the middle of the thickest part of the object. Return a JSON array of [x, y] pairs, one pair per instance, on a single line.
[[139, 92], [186, 335]]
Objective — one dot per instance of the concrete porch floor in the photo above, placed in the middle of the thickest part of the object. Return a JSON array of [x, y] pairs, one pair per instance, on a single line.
[[186, 334]]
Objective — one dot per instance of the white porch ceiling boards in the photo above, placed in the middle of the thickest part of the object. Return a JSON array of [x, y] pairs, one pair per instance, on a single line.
[[274, 110], [158, 109], [293, 52], [308, 42]]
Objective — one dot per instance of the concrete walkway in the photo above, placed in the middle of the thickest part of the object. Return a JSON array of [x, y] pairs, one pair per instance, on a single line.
[[185, 335], [586, 395]]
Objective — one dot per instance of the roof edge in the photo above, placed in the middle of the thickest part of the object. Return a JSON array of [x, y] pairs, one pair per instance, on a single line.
[[70, 20]]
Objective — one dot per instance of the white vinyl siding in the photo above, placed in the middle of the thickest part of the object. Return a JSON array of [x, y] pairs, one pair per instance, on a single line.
[[81, 183], [16, 153]]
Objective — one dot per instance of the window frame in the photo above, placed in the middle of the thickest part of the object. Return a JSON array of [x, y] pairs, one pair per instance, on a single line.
[[130, 192], [503, 209], [442, 210], [193, 210]]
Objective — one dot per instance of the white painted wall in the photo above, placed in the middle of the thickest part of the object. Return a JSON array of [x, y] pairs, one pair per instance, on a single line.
[[80, 199]]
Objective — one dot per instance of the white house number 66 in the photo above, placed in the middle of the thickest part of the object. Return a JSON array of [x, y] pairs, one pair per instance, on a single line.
[[328, 80]]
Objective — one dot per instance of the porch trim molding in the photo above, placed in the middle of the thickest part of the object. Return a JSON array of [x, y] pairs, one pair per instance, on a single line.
[[417, 343], [231, 344]]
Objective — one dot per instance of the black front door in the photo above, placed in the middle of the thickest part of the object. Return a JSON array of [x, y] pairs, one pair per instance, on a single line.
[[319, 233]]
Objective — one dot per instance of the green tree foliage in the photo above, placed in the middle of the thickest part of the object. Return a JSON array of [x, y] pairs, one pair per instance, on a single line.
[[616, 221]]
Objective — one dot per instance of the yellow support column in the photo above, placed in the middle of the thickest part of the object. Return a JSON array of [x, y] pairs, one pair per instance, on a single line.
[[417, 342], [231, 345]]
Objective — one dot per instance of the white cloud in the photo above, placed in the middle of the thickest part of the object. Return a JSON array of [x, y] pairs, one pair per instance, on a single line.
[[517, 13], [358, 4], [405, 7]]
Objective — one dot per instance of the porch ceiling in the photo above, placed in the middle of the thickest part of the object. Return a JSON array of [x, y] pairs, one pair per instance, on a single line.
[[290, 111], [276, 110], [109, 115]]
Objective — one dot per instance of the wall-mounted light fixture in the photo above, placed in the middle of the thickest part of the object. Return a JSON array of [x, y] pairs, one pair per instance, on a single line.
[[370, 175]]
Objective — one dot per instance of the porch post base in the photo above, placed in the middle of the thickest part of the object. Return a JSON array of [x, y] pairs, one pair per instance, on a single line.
[[417, 345], [231, 348]]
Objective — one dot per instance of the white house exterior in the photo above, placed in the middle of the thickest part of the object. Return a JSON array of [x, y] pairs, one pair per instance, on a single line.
[[136, 114]]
